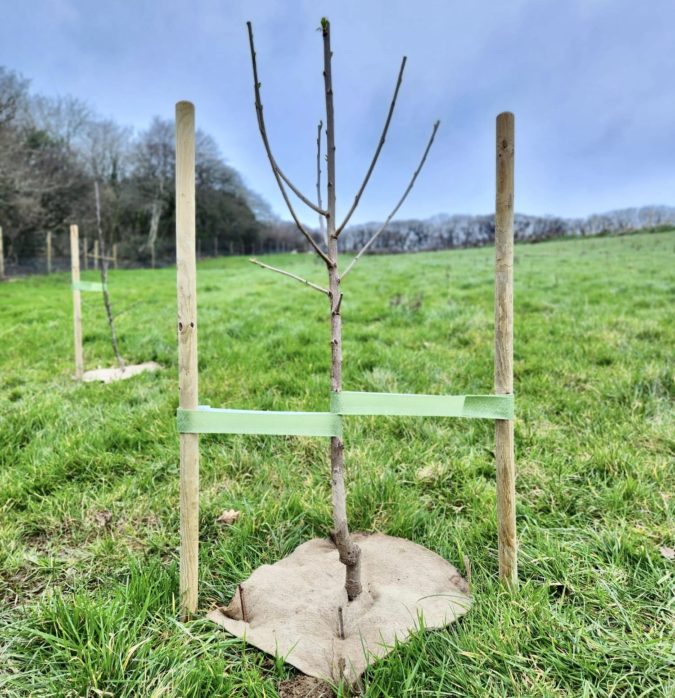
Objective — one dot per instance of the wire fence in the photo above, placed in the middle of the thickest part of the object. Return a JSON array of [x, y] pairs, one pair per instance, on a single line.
[[53, 255]]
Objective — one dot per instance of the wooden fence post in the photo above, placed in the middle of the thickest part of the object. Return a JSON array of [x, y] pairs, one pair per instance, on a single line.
[[186, 265], [2, 257], [85, 253], [96, 255], [114, 254], [504, 441], [49, 251], [77, 308]]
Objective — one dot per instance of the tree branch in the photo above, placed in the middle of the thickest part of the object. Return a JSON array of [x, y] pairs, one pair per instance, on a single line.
[[278, 174], [322, 220], [292, 276], [398, 205], [383, 137]]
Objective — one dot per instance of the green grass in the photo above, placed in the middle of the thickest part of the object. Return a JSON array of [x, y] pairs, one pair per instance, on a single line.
[[90, 609]]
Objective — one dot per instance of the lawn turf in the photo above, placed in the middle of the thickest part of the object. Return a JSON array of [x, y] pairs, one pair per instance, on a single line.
[[89, 472]]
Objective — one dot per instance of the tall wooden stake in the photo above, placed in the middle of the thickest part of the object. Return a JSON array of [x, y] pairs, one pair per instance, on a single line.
[[77, 308], [504, 442], [114, 254], [85, 251], [186, 265], [2, 257], [96, 254], [49, 252]]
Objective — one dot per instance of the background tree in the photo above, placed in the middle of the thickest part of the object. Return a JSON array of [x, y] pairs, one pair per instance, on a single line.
[[53, 150], [155, 159]]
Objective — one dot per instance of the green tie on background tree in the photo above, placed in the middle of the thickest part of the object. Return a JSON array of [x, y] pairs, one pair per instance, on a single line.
[[350, 554]]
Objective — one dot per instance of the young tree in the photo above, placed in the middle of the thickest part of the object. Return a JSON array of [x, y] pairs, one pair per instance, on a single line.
[[349, 552], [103, 262]]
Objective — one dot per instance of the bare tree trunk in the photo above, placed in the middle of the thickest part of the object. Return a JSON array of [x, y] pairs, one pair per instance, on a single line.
[[350, 553], [49, 252], [155, 217], [2, 258], [104, 279], [154, 227]]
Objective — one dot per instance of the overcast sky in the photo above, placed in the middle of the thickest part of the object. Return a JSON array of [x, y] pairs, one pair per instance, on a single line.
[[591, 82]]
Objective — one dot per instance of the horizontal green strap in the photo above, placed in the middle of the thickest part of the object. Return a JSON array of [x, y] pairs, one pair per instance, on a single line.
[[209, 420], [87, 286], [477, 406]]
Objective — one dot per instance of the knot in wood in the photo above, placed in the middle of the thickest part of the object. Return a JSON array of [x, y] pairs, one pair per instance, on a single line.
[[351, 556]]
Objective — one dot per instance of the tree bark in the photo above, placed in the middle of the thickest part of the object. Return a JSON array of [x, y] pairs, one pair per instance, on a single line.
[[350, 553]]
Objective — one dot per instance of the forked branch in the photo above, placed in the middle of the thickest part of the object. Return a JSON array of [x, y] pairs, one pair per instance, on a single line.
[[292, 276], [383, 137], [278, 174], [398, 205]]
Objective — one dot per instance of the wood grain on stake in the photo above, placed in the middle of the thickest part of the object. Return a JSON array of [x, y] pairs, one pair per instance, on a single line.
[[504, 446], [77, 306], [186, 264]]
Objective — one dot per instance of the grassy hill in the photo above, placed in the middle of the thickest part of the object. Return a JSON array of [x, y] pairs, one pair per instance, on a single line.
[[89, 472]]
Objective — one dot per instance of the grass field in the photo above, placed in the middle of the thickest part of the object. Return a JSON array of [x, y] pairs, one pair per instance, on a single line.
[[89, 473]]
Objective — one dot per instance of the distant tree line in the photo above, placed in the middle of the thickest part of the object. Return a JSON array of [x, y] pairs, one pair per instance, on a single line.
[[444, 231], [53, 150]]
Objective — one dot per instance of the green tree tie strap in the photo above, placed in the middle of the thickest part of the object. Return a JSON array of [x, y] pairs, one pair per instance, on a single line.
[[476, 406], [87, 286], [209, 420]]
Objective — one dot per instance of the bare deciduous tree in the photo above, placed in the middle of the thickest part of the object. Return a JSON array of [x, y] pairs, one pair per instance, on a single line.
[[155, 161], [349, 552]]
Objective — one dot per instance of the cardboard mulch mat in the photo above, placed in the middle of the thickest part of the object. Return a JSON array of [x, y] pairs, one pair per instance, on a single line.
[[110, 375], [298, 609]]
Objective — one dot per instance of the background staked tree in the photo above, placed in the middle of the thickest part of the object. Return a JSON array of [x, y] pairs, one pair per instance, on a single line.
[[326, 247]]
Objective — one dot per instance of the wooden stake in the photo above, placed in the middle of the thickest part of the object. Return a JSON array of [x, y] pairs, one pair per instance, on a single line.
[[77, 308], [114, 255], [504, 442], [2, 258], [49, 252], [186, 265], [96, 254], [85, 250]]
